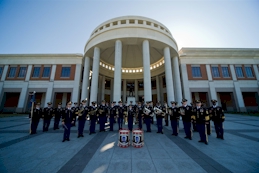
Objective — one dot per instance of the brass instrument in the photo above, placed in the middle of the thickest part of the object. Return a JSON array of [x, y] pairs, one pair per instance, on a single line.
[[146, 111], [157, 110], [80, 111], [93, 112], [182, 111]]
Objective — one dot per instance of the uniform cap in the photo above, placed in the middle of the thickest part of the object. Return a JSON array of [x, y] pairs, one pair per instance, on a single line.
[[214, 101], [69, 102], [113, 102], [59, 103], [198, 101], [119, 101], [38, 103], [184, 100], [84, 101], [75, 103], [93, 102], [103, 101], [174, 102], [49, 103]]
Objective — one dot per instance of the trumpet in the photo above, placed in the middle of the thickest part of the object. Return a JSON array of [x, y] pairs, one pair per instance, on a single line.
[[157, 110]]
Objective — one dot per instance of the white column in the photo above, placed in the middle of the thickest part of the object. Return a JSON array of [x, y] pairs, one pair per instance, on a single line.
[[256, 71], [99, 93], [94, 81], [136, 89], [177, 80], [117, 71], [53, 72], [239, 97], [4, 73], [124, 90], [213, 93], [77, 81], [233, 73], [186, 89], [22, 98], [85, 85], [42, 101], [158, 89], [64, 99], [103, 88], [168, 76], [208, 72], [49, 94], [28, 73], [146, 69]]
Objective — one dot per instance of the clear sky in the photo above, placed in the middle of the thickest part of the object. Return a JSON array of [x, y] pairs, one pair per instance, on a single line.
[[64, 26]]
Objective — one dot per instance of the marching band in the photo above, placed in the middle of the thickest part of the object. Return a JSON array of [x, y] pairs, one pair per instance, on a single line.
[[193, 118]]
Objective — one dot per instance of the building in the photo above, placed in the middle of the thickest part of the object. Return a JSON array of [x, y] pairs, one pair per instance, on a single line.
[[132, 52]]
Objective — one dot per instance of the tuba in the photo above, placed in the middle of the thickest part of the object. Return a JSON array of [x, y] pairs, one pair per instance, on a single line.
[[146, 111]]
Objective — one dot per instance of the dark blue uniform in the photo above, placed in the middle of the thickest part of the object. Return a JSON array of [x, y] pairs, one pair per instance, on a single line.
[[140, 115], [48, 113], [174, 118], [35, 118], [75, 109], [201, 115], [93, 118], [218, 117], [147, 118], [102, 111], [58, 115], [131, 114], [159, 119], [112, 116], [82, 113], [187, 110], [68, 116], [121, 112]]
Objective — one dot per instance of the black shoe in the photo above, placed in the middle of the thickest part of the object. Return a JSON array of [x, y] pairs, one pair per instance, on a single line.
[[68, 139], [190, 138], [78, 136], [173, 134], [82, 135], [93, 132], [58, 128], [200, 141], [186, 137], [111, 130], [157, 132], [162, 133], [222, 138], [90, 133], [63, 140], [206, 142]]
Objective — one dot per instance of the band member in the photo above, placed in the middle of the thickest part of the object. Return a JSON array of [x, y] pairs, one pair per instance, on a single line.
[[58, 114], [35, 118], [194, 128], [186, 113], [158, 110], [152, 117], [102, 111], [93, 117], [165, 113], [68, 117], [113, 113], [147, 115], [140, 114], [218, 117], [75, 108], [130, 116], [125, 112], [174, 118], [82, 115], [48, 113], [201, 115], [121, 112]]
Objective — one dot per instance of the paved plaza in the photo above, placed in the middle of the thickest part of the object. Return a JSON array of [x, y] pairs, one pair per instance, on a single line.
[[99, 153]]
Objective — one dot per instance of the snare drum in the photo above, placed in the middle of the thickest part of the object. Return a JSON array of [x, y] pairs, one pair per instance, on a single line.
[[124, 141], [137, 138]]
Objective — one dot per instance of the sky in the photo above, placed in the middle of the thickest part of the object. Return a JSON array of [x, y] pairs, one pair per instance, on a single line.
[[64, 26]]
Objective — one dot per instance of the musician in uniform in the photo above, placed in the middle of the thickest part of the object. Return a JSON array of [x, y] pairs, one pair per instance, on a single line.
[[121, 113], [218, 117], [186, 113], [130, 117], [82, 116], [48, 113], [35, 118], [159, 117], [75, 108], [125, 112], [147, 115], [112, 114], [201, 115], [151, 117], [174, 117], [139, 112], [93, 117], [58, 114], [102, 111], [68, 117], [165, 113]]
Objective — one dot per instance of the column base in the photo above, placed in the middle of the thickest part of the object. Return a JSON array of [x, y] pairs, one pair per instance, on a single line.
[[19, 110], [242, 109]]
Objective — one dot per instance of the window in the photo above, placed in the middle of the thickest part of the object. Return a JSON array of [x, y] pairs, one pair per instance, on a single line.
[[46, 72], [65, 72], [36, 72], [22, 72], [12, 72], [249, 72], [239, 72], [1, 71], [196, 72], [225, 72], [153, 84], [215, 71]]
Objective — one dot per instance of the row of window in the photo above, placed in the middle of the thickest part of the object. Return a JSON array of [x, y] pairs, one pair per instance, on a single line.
[[215, 71], [65, 72]]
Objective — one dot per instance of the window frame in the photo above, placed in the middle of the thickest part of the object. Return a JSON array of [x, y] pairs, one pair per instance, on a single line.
[[19, 73], [212, 71], [245, 69], [38, 67], [241, 70], [10, 68], [193, 68], [62, 72], [222, 66], [49, 73]]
